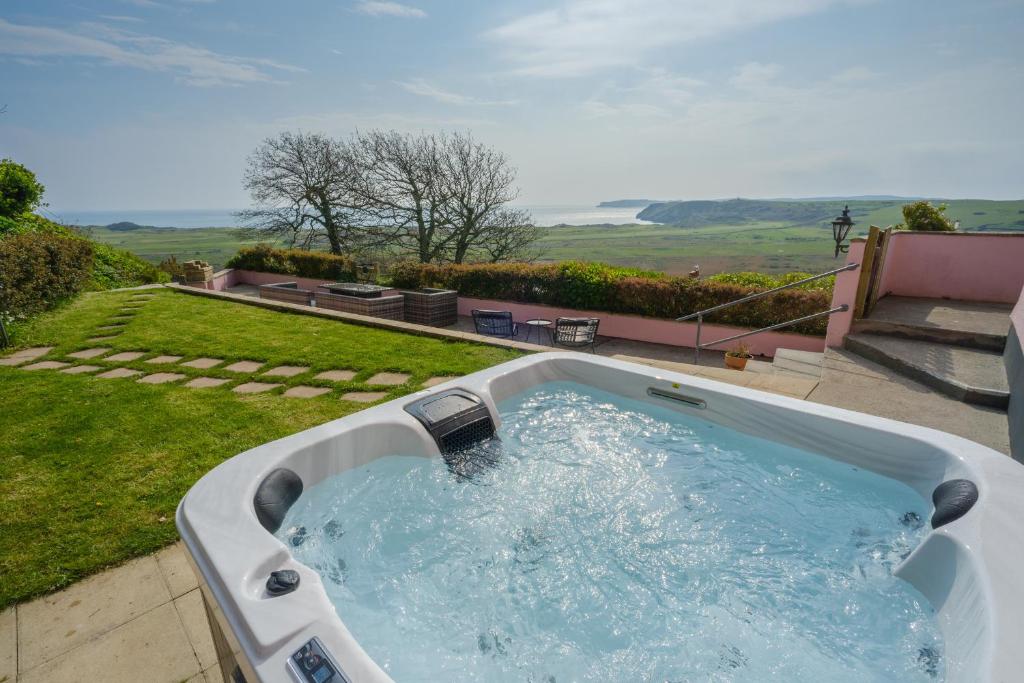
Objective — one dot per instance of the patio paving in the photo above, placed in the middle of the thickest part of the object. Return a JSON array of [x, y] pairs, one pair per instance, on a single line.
[[245, 366], [46, 365], [80, 369], [119, 373], [125, 356], [255, 387], [145, 618], [286, 371], [336, 375], [162, 378], [206, 382], [164, 360], [389, 378], [364, 396], [25, 355], [303, 391], [203, 363], [90, 353]]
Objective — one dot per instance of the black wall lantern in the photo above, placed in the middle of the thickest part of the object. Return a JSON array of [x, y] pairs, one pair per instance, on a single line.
[[840, 229]]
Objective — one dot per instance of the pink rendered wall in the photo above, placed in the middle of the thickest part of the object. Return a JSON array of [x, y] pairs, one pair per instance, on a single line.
[[967, 266], [845, 292], [657, 330]]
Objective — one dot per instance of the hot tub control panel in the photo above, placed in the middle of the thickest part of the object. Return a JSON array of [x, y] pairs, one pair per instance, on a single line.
[[312, 664]]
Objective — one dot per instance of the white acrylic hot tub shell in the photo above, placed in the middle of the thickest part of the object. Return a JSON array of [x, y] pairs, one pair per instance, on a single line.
[[968, 569]]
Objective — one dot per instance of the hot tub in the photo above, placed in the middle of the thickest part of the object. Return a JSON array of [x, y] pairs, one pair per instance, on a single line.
[[632, 521]]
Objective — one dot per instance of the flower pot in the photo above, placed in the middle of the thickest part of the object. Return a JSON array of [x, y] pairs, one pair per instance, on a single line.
[[736, 362]]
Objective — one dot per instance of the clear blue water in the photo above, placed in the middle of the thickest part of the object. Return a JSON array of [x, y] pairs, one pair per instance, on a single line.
[[619, 541]]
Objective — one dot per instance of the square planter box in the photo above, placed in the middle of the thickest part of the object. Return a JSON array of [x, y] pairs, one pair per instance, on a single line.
[[434, 307]]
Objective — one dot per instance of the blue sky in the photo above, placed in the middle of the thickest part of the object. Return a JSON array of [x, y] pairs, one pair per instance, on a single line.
[[137, 104]]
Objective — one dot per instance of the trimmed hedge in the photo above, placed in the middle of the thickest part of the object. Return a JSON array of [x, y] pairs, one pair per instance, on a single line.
[[38, 270], [316, 264], [598, 287], [765, 281]]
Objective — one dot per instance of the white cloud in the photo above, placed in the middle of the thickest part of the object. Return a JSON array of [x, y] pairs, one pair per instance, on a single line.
[[577, 37], [379, 8], [423, 88], [189, 64], [122, 18], [755, 75], [854, 74]]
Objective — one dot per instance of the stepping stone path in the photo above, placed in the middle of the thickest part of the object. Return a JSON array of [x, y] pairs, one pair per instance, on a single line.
[[389, 378], [203, 363], [96, 340], [162, 378], [118, 373], [110, 328], [164, 360], [80, 369], [125, 356], [46, 365], [336, 376], [306, 392], [90, 353], [25, 355], [245, 366], [285, 371], [364, 396], [206, 382], [434, 381], [254, 387]]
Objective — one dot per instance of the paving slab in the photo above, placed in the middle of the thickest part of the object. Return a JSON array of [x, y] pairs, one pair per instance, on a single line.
[[336, 375], [214, 675], [286, 371], [57, 623], [206, 382], [176, 570], [164, 360], [364, 396], [80, 369], [306, 392], [203, 363], [8, 645], [25, 355], [161, 378], [154, 647], [125, 356], [97, 340], [119, 373], [90, 353], [46, 365], [111, 328], [254, 387], [389, 378], [245, 366], [197, 628], [434, 381]]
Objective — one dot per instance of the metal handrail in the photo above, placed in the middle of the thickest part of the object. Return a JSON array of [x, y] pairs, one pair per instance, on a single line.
[[699, 315]]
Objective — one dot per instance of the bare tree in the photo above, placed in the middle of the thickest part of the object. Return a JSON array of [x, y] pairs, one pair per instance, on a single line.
[[510, 235], [301, 185]]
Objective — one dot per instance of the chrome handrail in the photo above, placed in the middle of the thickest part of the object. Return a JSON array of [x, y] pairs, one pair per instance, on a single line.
[[699, 315]]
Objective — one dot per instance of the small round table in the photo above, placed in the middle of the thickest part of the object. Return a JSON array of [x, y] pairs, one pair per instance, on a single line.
[[538, 324]]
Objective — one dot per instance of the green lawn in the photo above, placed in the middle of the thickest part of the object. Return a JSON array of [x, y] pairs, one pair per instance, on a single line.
[[91, 469]]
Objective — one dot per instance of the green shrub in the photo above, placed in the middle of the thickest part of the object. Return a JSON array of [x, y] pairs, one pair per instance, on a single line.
[[114, 268], [598, 287], [20, 192], [923, 217], [313, 264], [38, 270], [765, 281]]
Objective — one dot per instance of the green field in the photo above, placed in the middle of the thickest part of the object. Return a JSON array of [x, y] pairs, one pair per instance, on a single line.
[[214, 245]]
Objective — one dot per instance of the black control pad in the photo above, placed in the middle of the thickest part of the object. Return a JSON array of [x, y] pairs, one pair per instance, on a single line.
[[313, 665]]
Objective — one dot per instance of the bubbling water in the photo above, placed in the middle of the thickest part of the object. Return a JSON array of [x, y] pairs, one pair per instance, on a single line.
[[616, 540]]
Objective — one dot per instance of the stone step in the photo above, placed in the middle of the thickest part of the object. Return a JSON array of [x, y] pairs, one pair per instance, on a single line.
[[966, 374], [969, 324], [803, 363]]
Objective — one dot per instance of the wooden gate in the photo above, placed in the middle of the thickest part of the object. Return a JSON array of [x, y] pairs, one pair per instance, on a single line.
[[869, 284]]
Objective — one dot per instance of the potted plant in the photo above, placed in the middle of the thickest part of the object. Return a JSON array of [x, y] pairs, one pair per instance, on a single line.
[[737, 357]]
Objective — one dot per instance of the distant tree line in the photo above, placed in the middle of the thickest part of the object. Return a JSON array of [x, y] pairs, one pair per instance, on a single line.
[[436, 198]]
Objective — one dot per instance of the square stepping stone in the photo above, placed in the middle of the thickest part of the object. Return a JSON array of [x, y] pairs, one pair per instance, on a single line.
[[206, 382], [123, 317], [118, 373], [364, 396], [79, 369], [125, 356], [303, 391], [25, 355], [434, 381], [336, 375], [285, 371], [389, 378], [245, 366], [161, 378], [97, 340], [90, 353], [203, 363], [158, 360], [46, 365], [254, 387], [110, 328]]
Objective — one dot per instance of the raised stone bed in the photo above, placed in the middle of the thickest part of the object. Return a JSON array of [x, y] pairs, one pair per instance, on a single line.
[[388, 307], [434, 307]]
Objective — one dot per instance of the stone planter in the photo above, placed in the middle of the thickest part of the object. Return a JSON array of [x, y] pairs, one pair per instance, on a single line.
[[433, 307]]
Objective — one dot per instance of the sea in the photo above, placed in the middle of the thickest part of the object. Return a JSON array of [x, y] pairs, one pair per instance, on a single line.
[[544, 215]]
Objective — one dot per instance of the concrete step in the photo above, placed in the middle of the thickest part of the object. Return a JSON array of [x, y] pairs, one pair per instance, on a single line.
[[962, 323], [802, 363], [966, 374]]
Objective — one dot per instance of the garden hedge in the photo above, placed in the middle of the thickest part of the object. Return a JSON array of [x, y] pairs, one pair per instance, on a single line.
[[316, 264], [598, 287], [39, 270]]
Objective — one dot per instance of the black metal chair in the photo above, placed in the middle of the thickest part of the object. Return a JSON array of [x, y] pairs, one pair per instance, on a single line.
[[576, 333], [495, 323]]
